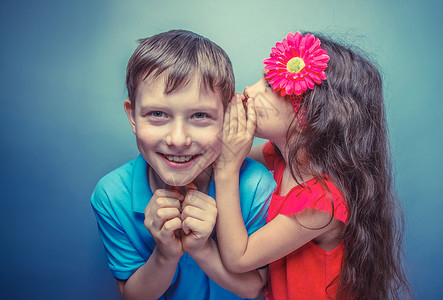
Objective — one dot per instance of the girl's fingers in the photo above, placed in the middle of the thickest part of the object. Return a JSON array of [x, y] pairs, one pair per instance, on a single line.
[[226, 122], [241, 116], [252, 117], [234, 117]]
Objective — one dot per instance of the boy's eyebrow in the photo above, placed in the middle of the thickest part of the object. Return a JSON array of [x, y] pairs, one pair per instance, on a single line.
[[203, 107], [147, 108]]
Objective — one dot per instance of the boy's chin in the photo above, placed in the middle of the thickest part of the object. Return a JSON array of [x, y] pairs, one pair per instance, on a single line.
[[177, 182]]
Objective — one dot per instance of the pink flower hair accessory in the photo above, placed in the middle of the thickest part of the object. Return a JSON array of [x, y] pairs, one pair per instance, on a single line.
[[295, 65]]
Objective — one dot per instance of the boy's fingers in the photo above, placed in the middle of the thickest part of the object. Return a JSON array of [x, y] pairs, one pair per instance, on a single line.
[[199, 208], [199, 199], [194, 225], [162, 202], [171, 193], [168, 213], [163, 215], [172, 225], [190, 186], [194, 212], [185, 228], [174, 189]]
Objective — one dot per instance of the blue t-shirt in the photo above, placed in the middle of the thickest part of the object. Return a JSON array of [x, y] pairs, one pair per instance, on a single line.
[[119, 201]]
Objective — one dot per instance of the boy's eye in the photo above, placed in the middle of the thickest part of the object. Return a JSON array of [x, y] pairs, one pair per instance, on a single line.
[[157, 114], [200, 115]]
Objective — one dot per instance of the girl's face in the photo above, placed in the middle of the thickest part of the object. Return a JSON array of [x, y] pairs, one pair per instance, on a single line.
[[274, 112]]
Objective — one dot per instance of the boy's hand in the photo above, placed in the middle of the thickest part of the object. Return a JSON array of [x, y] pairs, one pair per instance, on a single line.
[[238, 135], [199, 216], [162, 219]]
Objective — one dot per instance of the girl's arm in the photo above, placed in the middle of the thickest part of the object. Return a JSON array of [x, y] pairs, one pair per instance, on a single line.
[[278, 238], [244, 284], [283, 235]]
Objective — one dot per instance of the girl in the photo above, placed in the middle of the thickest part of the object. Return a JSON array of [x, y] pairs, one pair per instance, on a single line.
[[333, 229]]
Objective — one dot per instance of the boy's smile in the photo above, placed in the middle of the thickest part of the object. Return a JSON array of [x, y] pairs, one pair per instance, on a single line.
[[177, 133]]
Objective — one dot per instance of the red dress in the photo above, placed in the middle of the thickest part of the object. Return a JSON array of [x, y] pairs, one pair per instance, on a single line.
[[306, 272]]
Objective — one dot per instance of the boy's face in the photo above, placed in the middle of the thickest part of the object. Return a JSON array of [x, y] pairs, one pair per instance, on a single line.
[[177, 134]]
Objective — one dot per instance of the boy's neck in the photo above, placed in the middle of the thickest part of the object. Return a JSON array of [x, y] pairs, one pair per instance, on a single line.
[[202, 181]]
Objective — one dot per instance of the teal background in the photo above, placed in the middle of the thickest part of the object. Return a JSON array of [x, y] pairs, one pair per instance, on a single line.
[[62, 67]]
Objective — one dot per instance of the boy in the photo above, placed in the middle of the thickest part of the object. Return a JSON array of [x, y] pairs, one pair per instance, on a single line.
[[156, 214]]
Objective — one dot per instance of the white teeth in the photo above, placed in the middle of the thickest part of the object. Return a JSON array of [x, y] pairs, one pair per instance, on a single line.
[[180, 159]]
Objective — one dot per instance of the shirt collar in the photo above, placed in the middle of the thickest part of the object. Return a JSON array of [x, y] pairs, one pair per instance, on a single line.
[[141, 192]]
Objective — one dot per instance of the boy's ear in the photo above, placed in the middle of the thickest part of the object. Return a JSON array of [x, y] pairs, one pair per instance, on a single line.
[[130, 113]]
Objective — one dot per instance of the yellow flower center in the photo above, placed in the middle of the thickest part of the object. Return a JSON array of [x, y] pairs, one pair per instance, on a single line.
[[295, 65]]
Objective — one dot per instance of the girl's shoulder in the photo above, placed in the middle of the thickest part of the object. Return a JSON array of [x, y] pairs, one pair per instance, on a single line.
[[315, 195]]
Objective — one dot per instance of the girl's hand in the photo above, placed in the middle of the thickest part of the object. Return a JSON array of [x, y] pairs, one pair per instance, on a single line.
[[238, 135]]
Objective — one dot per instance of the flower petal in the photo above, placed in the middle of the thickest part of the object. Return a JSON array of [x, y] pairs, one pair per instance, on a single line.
[[297, 88], [290, 87], [303, 84], [309, 82], [314, 77]]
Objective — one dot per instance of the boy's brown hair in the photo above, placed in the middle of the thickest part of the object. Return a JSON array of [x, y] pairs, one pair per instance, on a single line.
[[180, 53]]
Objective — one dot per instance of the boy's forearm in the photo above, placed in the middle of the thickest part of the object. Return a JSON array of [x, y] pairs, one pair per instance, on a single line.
[[231, 232], [151, 280], [245, 285]]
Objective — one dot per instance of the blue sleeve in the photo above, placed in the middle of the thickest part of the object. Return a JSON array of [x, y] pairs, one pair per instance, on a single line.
[[123, 258], [256, 188]]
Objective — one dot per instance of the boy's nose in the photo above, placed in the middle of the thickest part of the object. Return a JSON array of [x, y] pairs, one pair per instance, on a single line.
[[178, 135]]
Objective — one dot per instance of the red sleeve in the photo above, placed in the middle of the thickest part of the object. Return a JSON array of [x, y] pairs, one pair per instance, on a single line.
[[315, 197], [269, 155]]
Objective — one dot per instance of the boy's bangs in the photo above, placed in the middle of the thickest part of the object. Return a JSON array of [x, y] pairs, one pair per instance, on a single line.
[[213, 69]]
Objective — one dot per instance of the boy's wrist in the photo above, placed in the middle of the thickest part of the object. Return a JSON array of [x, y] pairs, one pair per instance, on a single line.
[[202, 252], [166, 259]]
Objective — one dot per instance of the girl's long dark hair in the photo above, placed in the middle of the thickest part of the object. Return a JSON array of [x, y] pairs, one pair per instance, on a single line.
[[345, 135]]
